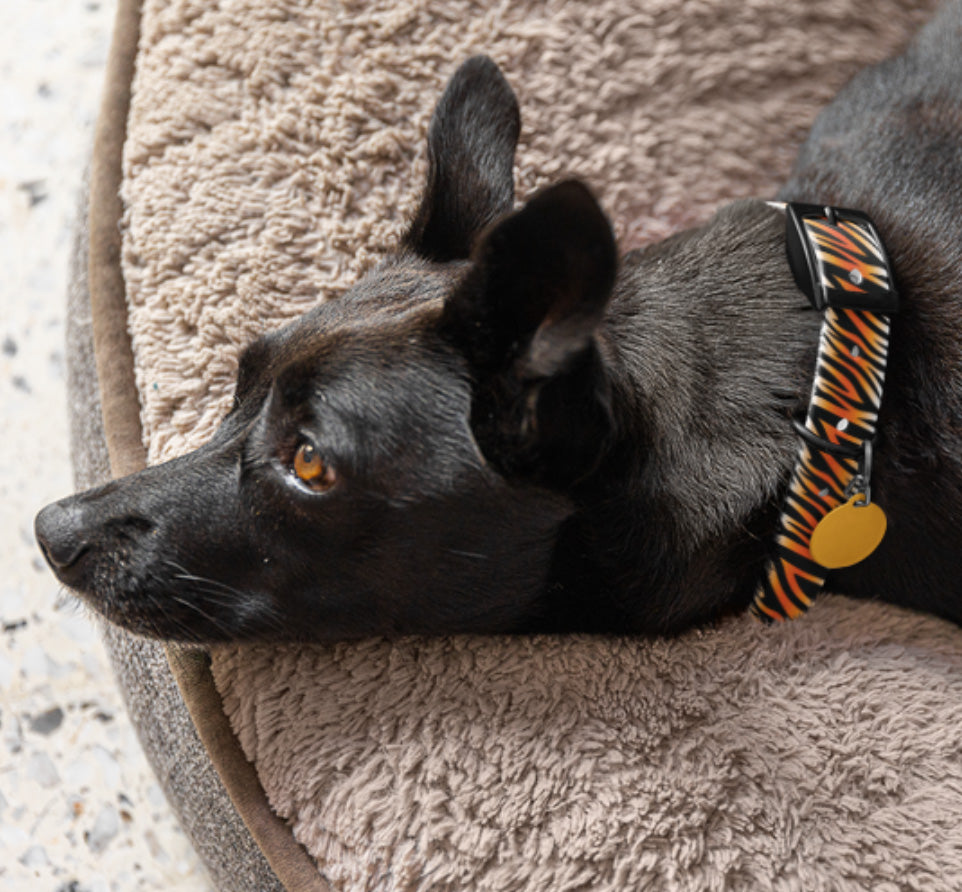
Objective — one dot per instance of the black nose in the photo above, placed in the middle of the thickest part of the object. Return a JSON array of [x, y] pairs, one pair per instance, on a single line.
[[60, 533]]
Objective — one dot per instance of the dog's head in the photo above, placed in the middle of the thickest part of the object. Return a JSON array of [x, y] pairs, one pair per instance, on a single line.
[[399, 460]]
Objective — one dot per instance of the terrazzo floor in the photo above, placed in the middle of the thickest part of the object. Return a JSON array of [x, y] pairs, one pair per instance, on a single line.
[[80, 810]]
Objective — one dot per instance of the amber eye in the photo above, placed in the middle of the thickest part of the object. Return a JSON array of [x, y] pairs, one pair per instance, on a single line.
[[310, 468]]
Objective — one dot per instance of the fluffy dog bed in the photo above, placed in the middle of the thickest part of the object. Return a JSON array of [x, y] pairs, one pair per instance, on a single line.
[[266, 153]]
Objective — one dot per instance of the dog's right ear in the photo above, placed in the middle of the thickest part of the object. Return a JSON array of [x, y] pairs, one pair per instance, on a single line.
[[525, 318], [471, 143]]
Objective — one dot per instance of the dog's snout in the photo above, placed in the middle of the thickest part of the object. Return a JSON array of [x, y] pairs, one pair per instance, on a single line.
[[60, 534]]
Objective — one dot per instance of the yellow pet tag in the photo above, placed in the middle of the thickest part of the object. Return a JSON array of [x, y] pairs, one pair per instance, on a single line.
[[848, 534]]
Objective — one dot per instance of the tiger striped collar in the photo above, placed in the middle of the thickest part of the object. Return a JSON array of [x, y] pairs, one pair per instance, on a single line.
[[838, 260]]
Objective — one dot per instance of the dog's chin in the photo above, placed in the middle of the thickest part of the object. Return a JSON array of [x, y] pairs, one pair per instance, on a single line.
[[156, 608], [142, 624], [126, 614], [177, 627]]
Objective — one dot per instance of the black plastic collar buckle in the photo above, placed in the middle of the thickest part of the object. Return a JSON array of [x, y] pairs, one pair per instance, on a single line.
[[838, 259]]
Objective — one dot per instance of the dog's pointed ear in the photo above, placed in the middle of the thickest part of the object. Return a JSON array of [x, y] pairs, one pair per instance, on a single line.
[[538, 287], [471, 143], [524, 317]]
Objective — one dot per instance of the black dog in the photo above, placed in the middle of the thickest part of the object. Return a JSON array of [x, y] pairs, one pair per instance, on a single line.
[[503, 428]]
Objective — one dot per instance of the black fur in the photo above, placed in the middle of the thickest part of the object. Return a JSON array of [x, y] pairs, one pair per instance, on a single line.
[[529, 435]]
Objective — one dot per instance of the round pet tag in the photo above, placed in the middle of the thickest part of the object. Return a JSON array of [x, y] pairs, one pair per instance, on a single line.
[[848, 534]]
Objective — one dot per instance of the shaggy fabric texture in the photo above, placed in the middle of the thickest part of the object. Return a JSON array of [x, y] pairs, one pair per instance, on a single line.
[[275, 149], [822, 755]]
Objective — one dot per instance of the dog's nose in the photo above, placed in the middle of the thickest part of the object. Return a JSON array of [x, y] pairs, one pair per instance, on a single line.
[[59, 532]]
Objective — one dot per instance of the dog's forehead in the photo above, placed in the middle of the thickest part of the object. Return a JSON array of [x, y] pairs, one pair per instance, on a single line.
[[389, 311], [382, 314], [378, 343]]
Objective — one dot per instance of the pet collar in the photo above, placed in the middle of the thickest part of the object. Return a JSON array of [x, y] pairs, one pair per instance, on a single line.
[[828, 519]]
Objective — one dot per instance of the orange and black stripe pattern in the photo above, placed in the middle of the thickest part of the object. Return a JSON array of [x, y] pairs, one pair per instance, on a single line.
[[843, 411], [850, 256]]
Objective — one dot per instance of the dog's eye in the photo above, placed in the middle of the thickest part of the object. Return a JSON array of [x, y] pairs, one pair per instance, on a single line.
[[310, 468]]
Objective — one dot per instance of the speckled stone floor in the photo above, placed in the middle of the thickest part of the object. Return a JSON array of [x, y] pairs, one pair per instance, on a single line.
[[80, 810]]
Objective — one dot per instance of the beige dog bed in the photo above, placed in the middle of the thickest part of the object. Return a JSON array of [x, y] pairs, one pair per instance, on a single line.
[[258, 155]]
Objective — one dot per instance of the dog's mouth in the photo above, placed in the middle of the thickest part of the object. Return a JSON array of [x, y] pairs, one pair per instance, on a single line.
[[165, 602]]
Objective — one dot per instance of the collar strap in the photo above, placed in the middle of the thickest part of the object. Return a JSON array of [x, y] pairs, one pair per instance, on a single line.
[[838, 260]]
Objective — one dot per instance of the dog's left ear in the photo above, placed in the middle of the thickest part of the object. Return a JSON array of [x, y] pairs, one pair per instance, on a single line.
[[471, 143], [525, 318]]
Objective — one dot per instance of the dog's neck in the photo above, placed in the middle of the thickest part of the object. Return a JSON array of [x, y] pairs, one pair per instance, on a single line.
[[707, 338]]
